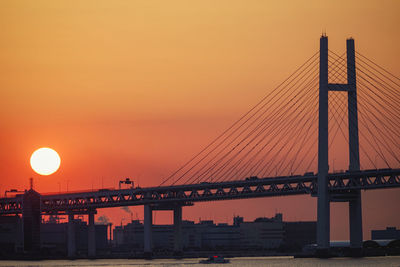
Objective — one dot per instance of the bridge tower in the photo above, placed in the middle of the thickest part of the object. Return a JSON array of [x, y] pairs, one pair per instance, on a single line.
[[324, 197]]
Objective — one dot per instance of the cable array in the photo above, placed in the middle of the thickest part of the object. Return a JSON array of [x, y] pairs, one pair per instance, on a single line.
[[258, 143], [278, 136], [378, 93]]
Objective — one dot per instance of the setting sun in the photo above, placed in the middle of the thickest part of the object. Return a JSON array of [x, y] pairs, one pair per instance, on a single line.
[[45, 161]]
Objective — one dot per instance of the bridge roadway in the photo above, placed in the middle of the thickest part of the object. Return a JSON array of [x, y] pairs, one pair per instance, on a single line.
[[338, 183]]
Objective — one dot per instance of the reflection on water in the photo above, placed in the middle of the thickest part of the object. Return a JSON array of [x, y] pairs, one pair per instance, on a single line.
[[242, 262]]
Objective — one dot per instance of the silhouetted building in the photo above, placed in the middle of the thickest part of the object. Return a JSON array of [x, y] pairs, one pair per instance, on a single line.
[[55, 236], [220, 236], [190, 235], [299, 234], [130, 236], [10, 234], [388, 233], [31, 219], [261, 234]]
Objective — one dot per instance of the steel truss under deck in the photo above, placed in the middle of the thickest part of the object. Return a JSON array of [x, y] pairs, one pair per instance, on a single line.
[[341, 183]]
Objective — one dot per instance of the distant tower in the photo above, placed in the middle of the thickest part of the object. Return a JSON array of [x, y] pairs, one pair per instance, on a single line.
[[237, 220], [278, 217], [324, 198], [31, 220]]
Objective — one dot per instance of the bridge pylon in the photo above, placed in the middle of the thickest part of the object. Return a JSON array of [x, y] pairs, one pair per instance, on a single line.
[[353, 196]]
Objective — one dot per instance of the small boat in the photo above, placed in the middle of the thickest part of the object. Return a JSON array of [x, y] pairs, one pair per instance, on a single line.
[[214, 259]]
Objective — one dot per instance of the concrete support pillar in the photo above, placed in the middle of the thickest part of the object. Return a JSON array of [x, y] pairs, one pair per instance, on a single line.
[[178, 230], [355, 218], [91, 236], [148, 221], [355, 214], [71, 237], [323, 209]]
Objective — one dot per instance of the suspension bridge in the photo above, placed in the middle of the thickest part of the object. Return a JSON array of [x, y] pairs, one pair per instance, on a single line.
[[280, 147]]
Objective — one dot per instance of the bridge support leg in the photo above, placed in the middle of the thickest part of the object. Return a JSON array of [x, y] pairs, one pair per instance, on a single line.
[[323, 209], [91, 236], [178, 231], [355, 216], [148, 221], [71, 237]]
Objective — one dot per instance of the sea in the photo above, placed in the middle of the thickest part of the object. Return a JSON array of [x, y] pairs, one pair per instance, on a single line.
[[240, 262]]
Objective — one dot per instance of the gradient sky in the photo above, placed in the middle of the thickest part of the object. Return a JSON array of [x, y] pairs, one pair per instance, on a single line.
[[135, 88]]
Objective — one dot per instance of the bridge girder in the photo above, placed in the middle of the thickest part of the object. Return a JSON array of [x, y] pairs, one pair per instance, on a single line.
[[338, 183]]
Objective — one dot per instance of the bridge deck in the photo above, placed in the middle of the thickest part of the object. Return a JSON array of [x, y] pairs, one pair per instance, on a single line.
[[339, 183]]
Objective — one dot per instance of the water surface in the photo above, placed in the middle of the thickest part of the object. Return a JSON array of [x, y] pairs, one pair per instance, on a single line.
[[239, 262]]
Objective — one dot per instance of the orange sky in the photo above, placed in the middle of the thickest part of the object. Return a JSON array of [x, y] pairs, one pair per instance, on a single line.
[[134, 88]]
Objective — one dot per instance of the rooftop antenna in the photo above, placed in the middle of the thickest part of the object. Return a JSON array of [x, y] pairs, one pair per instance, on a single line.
[[31, 183]]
